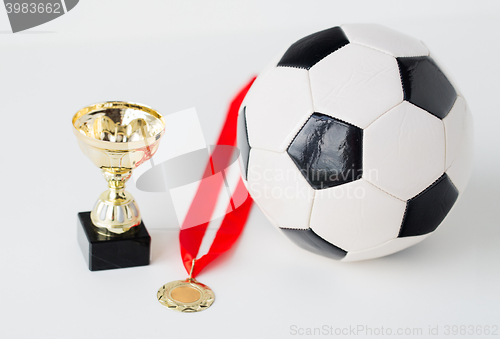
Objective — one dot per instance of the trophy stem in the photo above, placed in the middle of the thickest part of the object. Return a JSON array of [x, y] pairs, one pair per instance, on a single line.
[[115, 211], [116, 182]]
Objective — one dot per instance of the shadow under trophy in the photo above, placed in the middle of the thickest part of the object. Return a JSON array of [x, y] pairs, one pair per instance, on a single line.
[[117, 137]]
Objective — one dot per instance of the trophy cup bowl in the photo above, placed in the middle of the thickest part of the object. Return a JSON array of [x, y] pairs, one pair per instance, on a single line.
[[117, 137]]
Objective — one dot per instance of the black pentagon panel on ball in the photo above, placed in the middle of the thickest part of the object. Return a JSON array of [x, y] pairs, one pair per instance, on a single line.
[[312, 242], [428, 209], [242, 140], [327, 151], [309, 50], [426, 86]]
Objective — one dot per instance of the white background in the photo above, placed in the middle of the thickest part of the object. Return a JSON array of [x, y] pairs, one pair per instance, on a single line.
[[175, 55]]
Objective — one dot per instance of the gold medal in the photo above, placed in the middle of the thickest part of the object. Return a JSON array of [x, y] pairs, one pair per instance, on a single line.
[[190, 295], [186, 295]]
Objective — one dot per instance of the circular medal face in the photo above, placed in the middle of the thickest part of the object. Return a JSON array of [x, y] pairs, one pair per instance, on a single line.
[[186, 296]]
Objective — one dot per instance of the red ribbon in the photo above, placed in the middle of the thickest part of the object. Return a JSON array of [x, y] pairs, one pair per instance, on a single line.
[[203, 204]]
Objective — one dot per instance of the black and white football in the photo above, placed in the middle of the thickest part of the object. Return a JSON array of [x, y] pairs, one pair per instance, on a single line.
[[355, 143]]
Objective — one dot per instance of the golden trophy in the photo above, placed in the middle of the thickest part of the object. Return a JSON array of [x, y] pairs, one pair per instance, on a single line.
[[117, 137]]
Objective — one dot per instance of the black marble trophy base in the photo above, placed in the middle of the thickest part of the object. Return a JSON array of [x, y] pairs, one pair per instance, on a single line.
[[119, 251]]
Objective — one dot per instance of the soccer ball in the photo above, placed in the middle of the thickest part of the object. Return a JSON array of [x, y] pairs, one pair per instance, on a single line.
[[354, 142]]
